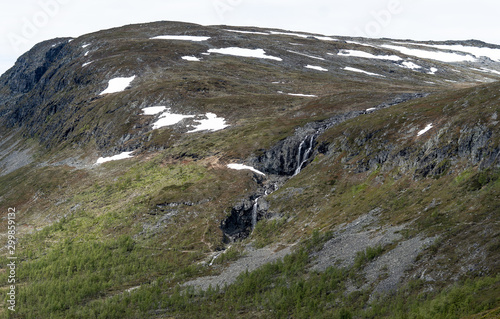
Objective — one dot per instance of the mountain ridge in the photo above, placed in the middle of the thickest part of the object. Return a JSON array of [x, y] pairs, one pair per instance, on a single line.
[[367, 183]]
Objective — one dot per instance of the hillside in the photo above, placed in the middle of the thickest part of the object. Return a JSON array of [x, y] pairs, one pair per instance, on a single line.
[[171, 170]]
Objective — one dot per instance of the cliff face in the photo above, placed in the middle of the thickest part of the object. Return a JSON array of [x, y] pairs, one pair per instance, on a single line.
[[376, 172]]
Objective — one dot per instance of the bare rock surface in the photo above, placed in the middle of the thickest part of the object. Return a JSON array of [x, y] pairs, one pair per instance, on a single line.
[[253, 259]]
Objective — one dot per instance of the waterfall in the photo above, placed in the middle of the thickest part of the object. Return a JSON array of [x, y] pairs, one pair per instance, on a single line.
[[302, 158], [254, 213]]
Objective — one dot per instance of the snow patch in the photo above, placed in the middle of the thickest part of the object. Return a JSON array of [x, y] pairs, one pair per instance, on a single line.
[[121, 156], [433, 55], [248, 53], [371, 109], [493, 54], [191, 58], [85, 45], [489, 71], [87, 63], [359, 43], [244, 167], [432, 71], [318, 68], [181, 38], [410, 65], [154, 110], [247, 32], [306, 55], [428, 127], [117, 85], [302, 95], [362, 54], [167, 118], [212, 123], [348, 68], [323, 38], [291, 34]]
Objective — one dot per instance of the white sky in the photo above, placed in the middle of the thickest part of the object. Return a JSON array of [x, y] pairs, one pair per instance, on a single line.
[[27, 22]]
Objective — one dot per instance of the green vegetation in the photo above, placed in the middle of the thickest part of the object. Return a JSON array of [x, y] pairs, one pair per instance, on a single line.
[[364, 257], [282, 289], [119, 240]]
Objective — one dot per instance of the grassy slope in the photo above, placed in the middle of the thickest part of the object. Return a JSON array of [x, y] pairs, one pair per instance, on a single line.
[[87, 235], [99, 246]]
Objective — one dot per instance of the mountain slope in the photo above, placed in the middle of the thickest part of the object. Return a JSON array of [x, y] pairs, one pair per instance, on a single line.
[[372, 165]]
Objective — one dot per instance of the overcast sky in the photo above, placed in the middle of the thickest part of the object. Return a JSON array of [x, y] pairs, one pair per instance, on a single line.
[[27, 22]]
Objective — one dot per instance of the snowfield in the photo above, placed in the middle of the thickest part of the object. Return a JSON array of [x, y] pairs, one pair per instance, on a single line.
[[154, 110], [247, 53], [247, 32], [433, 55], [410, 65], [166, 118], [317, 68], [493, 54], [428, 127], [348, 68], [117, 85], [302, 95], [212, 123], [291, 34], [244, 167], [181, 38], [121, 156], [307, 55], [362, 54], [433, 71], [191, 58]]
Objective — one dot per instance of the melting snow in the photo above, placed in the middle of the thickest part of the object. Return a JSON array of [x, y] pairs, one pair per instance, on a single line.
[[190, 58], [489, 71], [428, 127], [493, 54], [85, 64], [348, 68], [291, 34], [302, 95], [153, 110], [249, 53], [212, 123], [86, 53], [118, 85], [433, 71], [410, 65], [318, 68], [362, 54], [248, 32], [322, 38], [370, 109], [363, 44], [298, 94], [306, 55], [242, 167], [85, 45], [433, 55], [168, 119], [181, 37], [123, 155]]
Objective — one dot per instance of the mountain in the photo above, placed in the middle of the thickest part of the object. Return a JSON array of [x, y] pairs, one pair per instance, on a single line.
[[172, 170]]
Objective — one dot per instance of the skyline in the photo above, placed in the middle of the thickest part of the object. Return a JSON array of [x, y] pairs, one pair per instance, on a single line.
[[27, 23]]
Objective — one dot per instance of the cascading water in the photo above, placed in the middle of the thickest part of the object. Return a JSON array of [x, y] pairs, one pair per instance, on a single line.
[[254, 213], [303, 157]]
